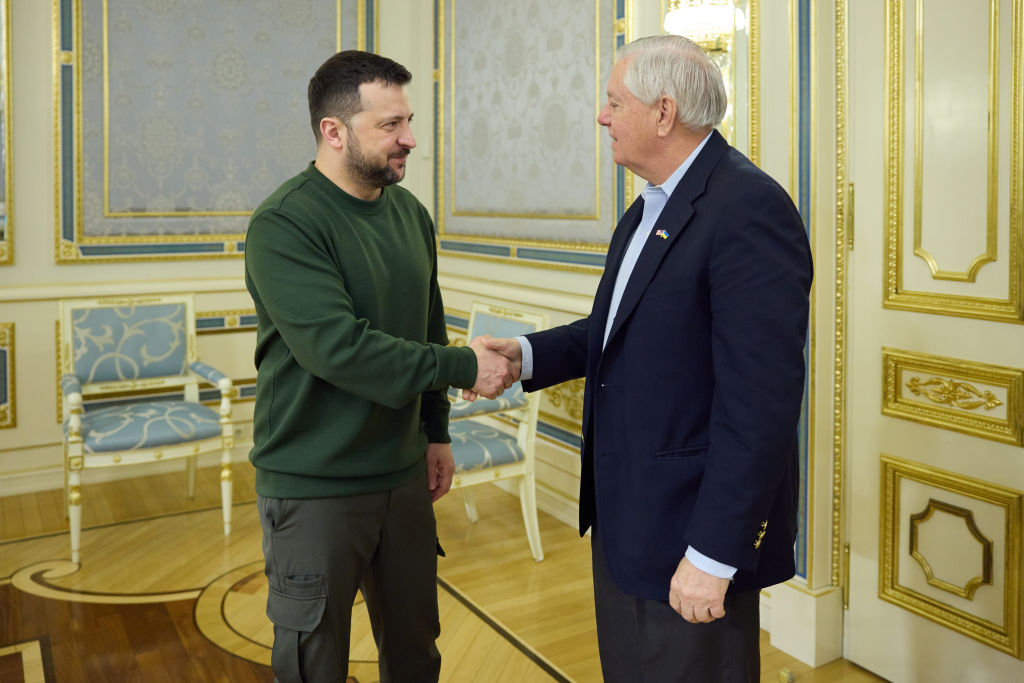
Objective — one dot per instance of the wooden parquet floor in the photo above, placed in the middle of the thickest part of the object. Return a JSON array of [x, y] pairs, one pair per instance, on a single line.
[[162, 595]]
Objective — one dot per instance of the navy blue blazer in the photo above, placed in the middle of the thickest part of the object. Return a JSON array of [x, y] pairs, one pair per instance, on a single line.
[[690, 411]]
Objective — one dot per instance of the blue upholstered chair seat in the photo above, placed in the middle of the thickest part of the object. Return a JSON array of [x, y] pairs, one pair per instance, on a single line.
[[514, 397], [476, 445], [147, 425]]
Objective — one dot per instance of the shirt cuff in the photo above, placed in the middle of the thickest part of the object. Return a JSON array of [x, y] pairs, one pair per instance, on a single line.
[[709, 566], [527, 370]]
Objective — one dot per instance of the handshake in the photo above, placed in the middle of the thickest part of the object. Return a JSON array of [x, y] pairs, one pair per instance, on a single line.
[[499, 362]]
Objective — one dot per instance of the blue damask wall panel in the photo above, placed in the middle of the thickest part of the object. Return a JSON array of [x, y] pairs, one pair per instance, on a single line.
[[179, 116], [525, 173]]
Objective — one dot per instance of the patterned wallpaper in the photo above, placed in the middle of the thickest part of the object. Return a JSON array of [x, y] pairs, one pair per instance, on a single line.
[[204, 105], [180, 116], [524, 156]]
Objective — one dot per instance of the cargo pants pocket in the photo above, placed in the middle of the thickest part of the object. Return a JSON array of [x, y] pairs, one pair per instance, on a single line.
[[303, 647]]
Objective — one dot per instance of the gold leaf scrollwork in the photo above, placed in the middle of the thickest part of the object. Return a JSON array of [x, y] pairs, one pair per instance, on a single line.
[[952, 393], [569, 397]]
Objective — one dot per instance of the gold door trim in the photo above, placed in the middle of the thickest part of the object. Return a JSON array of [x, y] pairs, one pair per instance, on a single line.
[[895, 295], [968, 589], [1005, 637], [992, 196]]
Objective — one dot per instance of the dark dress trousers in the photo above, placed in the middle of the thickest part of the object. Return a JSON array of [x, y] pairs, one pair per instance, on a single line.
[[691, 409]]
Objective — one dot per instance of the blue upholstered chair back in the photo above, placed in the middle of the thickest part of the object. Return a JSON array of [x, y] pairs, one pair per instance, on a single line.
[[484, 322], [496, 326], [134, 341]]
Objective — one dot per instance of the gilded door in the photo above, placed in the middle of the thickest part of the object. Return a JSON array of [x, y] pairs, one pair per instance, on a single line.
[[934, 464]]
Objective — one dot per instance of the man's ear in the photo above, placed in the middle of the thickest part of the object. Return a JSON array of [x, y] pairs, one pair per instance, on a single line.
[[333, 132], [668, 115]]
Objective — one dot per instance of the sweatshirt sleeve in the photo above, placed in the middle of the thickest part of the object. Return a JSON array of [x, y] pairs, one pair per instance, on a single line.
[[435, 406], [304, 294]]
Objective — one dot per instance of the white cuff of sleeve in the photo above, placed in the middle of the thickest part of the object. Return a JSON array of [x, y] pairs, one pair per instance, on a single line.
[[527, 370], [709, 566]]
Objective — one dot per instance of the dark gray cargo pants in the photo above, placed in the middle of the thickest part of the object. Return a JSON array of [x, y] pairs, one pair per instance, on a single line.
[[319, 551]]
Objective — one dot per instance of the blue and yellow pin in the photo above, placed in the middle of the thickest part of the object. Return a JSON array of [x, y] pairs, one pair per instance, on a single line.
[[663, 234]]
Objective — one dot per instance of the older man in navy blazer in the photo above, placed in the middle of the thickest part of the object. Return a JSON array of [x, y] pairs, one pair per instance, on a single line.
[[694, 359]]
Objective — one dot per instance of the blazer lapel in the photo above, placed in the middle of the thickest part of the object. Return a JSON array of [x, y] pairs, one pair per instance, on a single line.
[[672, 222]]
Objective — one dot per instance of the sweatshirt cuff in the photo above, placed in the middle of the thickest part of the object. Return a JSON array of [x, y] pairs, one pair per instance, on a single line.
[[456, 366]]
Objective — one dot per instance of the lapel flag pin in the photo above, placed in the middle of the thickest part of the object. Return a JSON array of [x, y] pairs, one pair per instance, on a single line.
[[663, 234]]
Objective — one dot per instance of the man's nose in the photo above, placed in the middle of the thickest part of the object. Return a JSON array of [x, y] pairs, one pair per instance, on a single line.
[[407, 139]]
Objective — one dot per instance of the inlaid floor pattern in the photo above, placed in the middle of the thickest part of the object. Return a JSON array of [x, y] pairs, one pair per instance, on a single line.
[[162, 595]]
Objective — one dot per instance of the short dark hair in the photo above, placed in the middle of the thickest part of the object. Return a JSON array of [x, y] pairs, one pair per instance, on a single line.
[[334, 88]]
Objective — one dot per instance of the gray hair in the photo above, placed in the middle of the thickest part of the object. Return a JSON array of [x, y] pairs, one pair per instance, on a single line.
[[678, 68]]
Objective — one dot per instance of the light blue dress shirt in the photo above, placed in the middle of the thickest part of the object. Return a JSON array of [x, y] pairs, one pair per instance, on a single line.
[[655, 199]]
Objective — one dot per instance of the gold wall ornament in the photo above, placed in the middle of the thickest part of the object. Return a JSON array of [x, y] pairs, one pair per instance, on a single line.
[[944, 392], [896, 295], [1004, 631], [950, 392], [568, 396], [8, 391], [968, 589], [219, 322]]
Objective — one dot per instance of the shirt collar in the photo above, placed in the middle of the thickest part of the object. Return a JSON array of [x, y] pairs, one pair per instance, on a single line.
[[669, 186]]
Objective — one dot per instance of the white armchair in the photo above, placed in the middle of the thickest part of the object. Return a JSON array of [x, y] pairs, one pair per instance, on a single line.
[[120, 358], [495, 439]]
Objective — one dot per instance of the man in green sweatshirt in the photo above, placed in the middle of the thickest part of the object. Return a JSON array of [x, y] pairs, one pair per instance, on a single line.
[[350, 428]]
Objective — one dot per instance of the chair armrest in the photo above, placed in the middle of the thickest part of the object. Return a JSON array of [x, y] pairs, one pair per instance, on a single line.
[[511, 399], [70, 384], [212, 375], [71, 387]]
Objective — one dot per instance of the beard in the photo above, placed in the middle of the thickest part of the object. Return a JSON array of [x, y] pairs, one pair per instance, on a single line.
[[366, 169]]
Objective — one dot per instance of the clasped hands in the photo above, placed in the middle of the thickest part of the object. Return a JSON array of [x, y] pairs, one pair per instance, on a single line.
[[499, 362]]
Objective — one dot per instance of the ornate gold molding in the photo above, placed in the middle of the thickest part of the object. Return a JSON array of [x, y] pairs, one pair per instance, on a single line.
[[843, 203], [967, 590], [1005, 636], [754, 79], [941, 391]]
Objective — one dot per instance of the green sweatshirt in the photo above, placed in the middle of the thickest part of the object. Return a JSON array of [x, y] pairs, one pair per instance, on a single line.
[[351, 349]]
